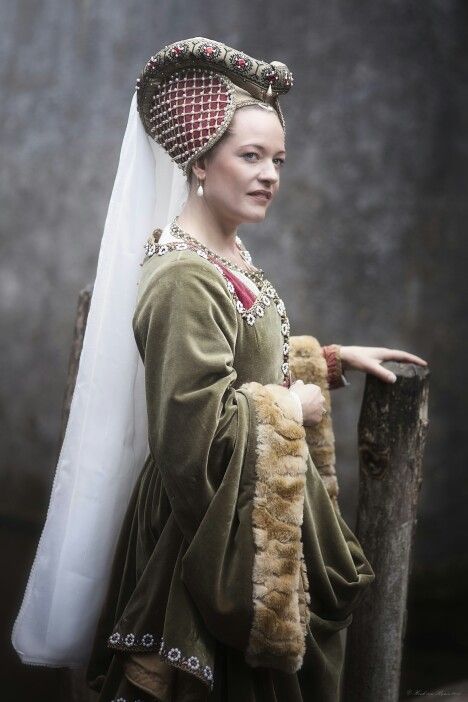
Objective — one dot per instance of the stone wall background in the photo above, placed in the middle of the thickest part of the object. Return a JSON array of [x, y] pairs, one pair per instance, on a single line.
[[366, 241]]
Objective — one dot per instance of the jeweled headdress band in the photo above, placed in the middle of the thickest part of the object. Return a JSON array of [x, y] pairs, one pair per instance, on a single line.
[[188, 92]]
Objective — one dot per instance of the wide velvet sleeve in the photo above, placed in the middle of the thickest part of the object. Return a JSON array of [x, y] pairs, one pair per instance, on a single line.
[[233, 462]]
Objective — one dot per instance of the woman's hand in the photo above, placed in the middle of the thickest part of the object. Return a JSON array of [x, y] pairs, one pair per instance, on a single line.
[[369, 358], [312, 401]]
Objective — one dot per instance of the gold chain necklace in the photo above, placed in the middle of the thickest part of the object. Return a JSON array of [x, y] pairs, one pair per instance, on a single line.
[[256, 275]]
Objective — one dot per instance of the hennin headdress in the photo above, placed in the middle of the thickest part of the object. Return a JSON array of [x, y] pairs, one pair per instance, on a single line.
[[188, 92], [185, 99]]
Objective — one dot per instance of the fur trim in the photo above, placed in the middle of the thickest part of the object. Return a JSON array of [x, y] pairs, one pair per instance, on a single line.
[[280, 584], [307, 363]]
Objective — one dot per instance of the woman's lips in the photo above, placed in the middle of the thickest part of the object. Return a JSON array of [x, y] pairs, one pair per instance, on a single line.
[[259, 196]]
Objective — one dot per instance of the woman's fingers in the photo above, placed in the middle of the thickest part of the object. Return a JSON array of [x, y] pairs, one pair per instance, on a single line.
[[382, 373], [399, 355], [368, 359]]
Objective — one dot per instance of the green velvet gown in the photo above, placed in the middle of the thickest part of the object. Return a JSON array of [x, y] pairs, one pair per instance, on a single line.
[[233, 573]]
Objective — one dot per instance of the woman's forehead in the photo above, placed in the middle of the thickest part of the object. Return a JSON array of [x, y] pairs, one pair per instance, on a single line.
[[257, 127]]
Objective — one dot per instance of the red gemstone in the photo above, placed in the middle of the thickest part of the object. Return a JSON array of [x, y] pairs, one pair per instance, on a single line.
[[240, 62], [209, 50]]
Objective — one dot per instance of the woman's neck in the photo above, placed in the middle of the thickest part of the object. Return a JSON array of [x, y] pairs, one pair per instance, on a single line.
[[196, 219]]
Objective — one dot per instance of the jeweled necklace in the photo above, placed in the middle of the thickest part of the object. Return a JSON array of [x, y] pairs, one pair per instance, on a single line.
[[256, 275]]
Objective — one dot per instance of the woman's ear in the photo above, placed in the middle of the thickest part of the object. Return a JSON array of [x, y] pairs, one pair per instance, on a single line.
[[199, 168]]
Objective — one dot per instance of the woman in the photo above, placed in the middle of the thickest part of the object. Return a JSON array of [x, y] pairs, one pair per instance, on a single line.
[[210, 593], [234, 572]]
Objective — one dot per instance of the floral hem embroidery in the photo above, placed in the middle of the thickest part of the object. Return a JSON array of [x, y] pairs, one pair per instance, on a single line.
[[172, 655]]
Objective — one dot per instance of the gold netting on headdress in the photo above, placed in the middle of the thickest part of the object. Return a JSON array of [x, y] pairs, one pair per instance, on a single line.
[[192, 109]]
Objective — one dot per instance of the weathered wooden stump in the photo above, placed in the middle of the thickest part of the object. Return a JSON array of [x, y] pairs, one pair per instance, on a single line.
[[391, 436]]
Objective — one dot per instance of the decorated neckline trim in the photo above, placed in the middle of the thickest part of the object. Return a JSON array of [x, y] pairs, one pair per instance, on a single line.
[[266, 296], [255, 274]]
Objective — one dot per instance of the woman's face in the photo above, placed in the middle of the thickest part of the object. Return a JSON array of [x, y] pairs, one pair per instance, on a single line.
[[248, 160]]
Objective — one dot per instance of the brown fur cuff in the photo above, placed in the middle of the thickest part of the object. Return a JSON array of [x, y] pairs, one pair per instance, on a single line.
[[308, 364], [280, 585]]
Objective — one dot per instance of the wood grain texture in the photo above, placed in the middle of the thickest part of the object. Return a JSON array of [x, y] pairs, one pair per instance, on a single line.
[[391, 436]]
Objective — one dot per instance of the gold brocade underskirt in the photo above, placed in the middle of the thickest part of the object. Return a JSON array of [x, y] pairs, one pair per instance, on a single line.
[[163, 681]]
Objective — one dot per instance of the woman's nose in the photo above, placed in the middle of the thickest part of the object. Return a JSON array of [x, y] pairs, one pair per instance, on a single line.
[[269, 173]]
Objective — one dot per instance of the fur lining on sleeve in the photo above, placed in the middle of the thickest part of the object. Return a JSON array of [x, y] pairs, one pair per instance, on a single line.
[[307, 363], [280, 585]]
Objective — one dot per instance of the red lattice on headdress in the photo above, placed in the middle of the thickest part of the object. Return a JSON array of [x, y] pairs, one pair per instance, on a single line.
[[189, 110]]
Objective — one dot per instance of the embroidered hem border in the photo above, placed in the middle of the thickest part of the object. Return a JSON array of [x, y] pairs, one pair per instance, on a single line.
[[171, 654]]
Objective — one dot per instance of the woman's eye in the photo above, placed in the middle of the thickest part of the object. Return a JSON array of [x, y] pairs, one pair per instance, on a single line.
[[280, 161]]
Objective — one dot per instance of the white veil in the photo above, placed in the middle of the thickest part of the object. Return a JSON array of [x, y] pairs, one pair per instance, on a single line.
[[105, 443]]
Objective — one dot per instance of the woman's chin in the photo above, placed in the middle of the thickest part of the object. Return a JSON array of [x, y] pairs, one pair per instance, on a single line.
[[255, 214]]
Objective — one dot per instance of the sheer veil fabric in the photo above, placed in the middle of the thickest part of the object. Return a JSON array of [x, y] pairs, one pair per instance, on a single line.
[[106, 442]]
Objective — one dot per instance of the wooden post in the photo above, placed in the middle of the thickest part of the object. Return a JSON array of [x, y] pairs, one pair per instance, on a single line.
[[72, 683], [84, 303], [391, 436]]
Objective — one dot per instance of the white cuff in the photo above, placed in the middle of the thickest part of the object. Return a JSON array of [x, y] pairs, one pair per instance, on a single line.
[[299, 402]]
